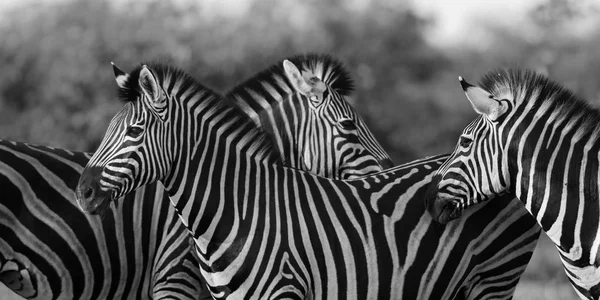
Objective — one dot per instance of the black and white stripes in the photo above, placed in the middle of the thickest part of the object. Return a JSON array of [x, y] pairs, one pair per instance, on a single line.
[[266, 230], [537, 140], [324, 136], [50, 250]]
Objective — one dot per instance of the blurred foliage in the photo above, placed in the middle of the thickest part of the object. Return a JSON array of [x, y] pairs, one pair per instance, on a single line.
[[57, 88], [56, 85]]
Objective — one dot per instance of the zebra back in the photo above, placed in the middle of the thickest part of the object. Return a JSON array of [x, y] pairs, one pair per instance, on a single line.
[[49, 249]]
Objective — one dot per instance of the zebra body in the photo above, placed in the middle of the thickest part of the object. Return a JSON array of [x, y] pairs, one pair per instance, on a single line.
[[50, 250], [264, 230], [537, 140]]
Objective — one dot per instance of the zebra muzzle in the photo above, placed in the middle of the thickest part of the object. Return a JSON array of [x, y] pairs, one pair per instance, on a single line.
[[90, 197]]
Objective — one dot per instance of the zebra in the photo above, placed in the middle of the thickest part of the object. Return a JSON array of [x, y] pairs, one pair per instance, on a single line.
[[537, 140], [50, 250], [266, 230], [26, 166], [298, 115]]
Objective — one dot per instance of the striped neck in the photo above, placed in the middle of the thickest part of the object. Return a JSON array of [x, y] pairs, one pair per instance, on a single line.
[[553, 163], [287, 124], [551, 153], [220, 139]]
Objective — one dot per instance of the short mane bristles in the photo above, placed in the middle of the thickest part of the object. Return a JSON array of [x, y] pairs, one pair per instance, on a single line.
[[131, 90], [327, 68]]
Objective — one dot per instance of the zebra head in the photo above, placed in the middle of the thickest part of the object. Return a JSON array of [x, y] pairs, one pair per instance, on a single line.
[[477, 169], [336, 141], [126, 159]]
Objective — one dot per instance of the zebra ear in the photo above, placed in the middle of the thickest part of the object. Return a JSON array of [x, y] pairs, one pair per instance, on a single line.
[[120, 76], [149, 85], [296, 78], [151, 89], [483, 102]]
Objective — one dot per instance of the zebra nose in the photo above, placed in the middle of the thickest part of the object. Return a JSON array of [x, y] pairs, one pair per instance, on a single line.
[[444, 210], [87, 188]]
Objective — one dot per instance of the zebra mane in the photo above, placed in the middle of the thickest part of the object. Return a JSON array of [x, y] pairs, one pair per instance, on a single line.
[[261, 143], [517, 81], [331, 71], [131, 89], [527, 85]]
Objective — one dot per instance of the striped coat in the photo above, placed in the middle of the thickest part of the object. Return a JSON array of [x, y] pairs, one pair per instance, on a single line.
[[264, 230]]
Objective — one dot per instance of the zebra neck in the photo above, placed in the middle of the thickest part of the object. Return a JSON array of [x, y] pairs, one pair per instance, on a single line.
[[224, 152], [556, 177], [286, 123], [220, 206]]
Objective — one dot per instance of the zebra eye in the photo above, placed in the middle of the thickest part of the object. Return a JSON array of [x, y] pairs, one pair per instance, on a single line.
[[465, 142], [347, 124], [134, 131]]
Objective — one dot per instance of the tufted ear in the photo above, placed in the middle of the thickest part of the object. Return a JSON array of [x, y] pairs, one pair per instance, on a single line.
[[295, 77], [120, 76], [149, 84], [483, 102], [151, 89], [305, 83]]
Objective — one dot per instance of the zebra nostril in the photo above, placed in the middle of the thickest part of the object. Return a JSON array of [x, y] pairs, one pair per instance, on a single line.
[[89, 193]]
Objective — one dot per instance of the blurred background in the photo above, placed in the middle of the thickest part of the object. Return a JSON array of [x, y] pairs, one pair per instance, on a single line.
[[57, 87]]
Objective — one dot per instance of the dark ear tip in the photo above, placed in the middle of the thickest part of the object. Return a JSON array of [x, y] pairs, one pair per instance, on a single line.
[[116, 70], [464, 84]]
